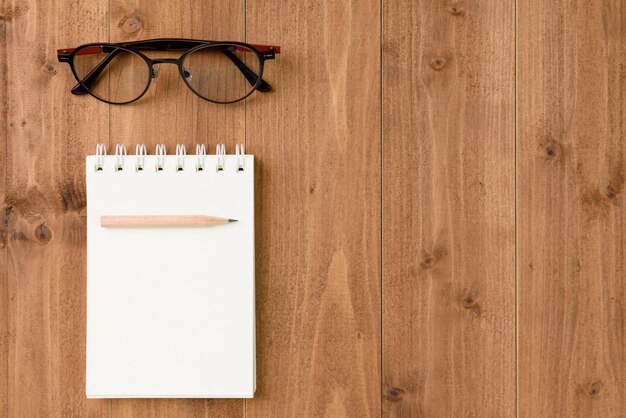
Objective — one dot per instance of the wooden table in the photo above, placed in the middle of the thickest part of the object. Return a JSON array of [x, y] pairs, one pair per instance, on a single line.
[[440, 205]]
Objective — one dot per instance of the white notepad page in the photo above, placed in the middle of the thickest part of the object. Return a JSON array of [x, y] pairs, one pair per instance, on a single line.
[[170, 311]]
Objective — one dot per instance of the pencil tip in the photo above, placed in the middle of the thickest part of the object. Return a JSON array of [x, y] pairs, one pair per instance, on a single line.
[[232, 220]]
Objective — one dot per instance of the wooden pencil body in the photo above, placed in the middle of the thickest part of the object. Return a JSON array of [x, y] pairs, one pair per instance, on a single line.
[[160, 221]]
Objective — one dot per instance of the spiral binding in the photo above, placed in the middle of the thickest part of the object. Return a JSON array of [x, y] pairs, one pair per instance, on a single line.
[[240, 154], [160, 153], [200, 153], [181, 152], [140, 152], [120, 153], [101, 151], [220, 151]]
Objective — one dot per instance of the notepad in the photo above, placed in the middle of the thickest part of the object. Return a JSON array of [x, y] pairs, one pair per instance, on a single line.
[[170, 311]]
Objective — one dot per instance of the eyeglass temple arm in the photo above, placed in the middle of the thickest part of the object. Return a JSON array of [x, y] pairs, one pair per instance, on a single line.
[[250, 75], [183, 44], [93, 74]]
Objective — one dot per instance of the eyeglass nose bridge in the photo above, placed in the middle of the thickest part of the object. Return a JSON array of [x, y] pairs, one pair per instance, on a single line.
[[165, 61], [155, 70]]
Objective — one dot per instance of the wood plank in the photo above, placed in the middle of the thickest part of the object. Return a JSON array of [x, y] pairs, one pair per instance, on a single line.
[[170, 114], [4, 222], [448, 208], [572, 72], [316, 139], [49, 132]]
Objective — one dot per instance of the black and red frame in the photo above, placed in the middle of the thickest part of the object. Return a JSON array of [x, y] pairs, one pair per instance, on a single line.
[[263, 53]]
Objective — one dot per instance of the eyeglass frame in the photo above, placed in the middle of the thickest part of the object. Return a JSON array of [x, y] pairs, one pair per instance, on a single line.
[[263, 53]]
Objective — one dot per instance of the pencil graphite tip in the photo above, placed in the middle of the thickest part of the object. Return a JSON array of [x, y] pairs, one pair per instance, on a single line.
[[232, 220]]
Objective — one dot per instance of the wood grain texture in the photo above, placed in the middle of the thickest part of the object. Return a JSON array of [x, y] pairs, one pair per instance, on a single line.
[[48, 134], [448, 209], [4, 224], [389, 227], [316, 140], [571, 83], [171, 114]]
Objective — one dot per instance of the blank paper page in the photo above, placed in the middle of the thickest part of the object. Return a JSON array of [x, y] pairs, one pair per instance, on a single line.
[[170, 311]]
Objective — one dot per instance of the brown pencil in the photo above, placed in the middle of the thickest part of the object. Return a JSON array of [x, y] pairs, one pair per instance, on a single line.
[[162, 221]]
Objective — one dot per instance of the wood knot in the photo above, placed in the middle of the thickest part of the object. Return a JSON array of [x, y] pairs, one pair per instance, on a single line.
[[594, 203], [470, 303], [594, 388], [73, 198], [611, 193], [616, 184], [43, 234], [49, 68], [19, 236], [428, 261], [437, 64], [394, 394], [131, 24], [551, 149], [7, 219], [457, 10]]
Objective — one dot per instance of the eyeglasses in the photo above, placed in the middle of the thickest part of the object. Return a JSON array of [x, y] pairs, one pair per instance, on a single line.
[[219, 72]]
